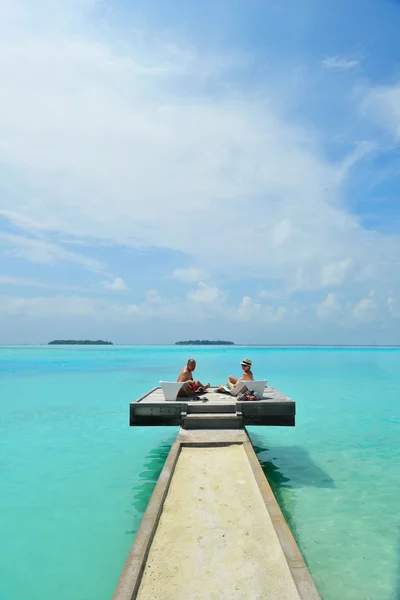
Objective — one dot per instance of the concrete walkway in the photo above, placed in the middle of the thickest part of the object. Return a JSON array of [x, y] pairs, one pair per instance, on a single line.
[[215, 539]]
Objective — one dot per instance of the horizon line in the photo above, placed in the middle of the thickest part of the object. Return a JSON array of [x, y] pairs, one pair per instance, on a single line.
[[173, 344]]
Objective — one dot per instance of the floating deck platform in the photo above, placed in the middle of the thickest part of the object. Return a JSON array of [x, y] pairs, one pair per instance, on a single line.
[[214, 411], [213, 529]]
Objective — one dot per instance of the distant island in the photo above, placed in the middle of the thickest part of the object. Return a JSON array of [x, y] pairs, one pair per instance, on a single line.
[[204, 343], [79, 343]]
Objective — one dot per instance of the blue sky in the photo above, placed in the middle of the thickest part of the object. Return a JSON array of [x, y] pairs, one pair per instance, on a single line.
[[218, 169]]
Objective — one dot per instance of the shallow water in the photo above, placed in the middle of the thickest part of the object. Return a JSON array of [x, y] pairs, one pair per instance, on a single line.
[[75, 479]]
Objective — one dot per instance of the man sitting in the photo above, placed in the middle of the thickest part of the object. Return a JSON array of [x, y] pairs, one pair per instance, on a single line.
[[190, 386]]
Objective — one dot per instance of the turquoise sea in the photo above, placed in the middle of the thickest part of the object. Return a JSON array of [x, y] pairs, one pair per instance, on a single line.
[[75, 478]]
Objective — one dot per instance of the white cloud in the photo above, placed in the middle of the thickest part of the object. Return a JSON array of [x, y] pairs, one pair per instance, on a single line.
[[117, 153], [393, 306], [123, 312], [73, 306], [206, 294], [41, 307], [248, 309], [117, 285], [41, 251], [21, 221], [280, 313], [153, 297], [191, 274], [382, 103], [268, 294], [334, 273], [366, 309], [154, 306], [329, 307], [21, 282], [281, 232], [273, 314], [98, 143], [341, 64], [73, 315]]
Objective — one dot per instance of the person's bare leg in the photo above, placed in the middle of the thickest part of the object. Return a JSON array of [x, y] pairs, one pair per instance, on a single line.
[[201, 388], [186, 390], [232, 381], [202, 385]]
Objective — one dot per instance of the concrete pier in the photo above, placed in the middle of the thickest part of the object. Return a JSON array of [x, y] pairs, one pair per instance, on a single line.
[[213, 529]]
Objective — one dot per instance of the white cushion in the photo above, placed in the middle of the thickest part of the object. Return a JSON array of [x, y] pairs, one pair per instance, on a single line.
[[257, 386], [170, 389]]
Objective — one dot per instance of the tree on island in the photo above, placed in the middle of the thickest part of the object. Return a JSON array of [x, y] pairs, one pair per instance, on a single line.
[[204, 343], [79, 343]]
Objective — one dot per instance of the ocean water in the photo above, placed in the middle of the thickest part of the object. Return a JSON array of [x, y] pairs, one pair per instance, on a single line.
[[75, 479]]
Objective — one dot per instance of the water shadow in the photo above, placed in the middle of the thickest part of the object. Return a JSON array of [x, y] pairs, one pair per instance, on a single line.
[[142, 491], [290, 466]]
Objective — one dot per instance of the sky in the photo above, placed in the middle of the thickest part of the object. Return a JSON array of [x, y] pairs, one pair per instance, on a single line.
[[221, 170]]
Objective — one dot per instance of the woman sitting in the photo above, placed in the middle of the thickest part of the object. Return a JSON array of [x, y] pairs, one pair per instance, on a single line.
[[232, 382]]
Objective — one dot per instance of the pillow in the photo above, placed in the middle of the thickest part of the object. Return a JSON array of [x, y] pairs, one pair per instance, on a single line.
[[239, 388]]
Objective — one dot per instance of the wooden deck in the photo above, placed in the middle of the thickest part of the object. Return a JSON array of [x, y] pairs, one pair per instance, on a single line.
[[214, 411]]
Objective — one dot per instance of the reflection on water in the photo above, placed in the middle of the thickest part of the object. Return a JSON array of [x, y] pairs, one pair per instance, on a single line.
[[288, 468], [291, 466], [143, 490]]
